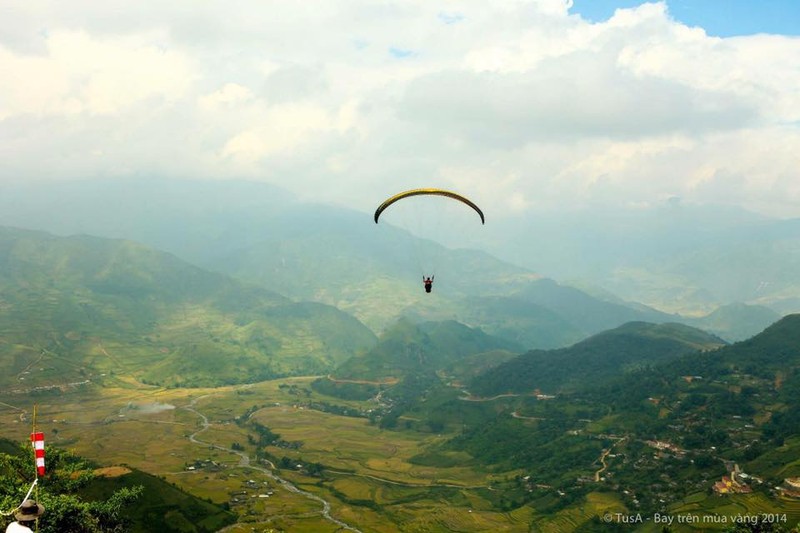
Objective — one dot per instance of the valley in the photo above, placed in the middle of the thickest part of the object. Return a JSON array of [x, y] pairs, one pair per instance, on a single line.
[[321, 471], [362, 462], [528, 266], [542, 409]]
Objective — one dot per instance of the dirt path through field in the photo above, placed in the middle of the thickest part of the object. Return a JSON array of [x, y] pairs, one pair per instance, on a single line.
[[387, 381]]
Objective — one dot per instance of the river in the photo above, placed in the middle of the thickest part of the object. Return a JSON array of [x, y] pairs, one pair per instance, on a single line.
[[244, 462]]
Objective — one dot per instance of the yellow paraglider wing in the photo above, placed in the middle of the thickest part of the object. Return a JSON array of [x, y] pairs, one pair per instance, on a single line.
[[434, 192]]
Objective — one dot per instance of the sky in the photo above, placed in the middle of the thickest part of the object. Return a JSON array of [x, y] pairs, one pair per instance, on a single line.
[[719, 18], [522, 105]]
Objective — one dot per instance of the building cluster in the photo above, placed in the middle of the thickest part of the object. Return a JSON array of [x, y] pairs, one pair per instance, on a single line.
[[665, 446], [250, 489], [790, 487], [736, 482], [205, 464], [541, 396]]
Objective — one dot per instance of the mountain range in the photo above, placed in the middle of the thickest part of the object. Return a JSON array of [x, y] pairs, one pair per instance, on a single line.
[[77, 308], [262, 235], [515, 372], [674, 256]]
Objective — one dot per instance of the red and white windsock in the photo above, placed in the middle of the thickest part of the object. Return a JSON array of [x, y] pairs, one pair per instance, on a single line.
[[38, 447]]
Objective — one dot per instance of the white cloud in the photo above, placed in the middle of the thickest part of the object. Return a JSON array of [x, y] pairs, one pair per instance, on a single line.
[[82, 74], [230, 95], [517, 101], [283, 128]]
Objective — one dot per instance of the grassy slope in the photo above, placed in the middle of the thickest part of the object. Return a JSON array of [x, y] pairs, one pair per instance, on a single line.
[[354, 448], [336, 256], [161, 506], [71, 308], [408, 348]]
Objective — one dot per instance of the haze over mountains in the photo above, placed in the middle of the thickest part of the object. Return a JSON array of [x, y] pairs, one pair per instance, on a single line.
[[512, 372], [617, 345], [667, 408], [90, 308], [676, 257], [598, 359], [260, 234]]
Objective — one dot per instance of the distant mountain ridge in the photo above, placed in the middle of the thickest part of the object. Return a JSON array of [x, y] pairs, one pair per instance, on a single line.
[[638, 412], [772, 354], [736, 321], [90, 306], [261, 234], [597, 359]]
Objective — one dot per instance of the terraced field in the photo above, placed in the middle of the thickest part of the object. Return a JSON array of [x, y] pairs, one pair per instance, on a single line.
[[200, 440]]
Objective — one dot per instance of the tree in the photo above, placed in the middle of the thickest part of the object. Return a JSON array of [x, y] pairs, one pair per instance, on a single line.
[[65, 511]]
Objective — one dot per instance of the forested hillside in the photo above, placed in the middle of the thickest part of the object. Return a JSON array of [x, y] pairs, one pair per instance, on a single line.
[[673, 425], [261, 234], [602, 357], [85, 308]]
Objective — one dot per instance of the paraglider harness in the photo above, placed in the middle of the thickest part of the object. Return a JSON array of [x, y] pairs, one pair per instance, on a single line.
[[428, 282]]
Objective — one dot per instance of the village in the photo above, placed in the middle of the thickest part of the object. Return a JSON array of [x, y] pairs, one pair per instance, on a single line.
[[248, 488]]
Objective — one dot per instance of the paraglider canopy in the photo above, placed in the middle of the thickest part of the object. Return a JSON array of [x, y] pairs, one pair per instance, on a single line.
[[435, 218], [433, 192]]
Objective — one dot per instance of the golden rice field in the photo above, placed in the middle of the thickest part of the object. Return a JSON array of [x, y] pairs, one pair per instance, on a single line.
[[149, 428], [370, 482]]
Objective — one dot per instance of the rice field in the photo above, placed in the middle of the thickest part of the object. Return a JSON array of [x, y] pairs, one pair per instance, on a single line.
[[368, 477]]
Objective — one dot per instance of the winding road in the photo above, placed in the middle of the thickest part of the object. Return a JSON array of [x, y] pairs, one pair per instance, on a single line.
[[603, 459], [244, 462]]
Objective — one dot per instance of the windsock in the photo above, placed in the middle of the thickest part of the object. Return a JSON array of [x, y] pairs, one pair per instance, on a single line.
[[38, 447]]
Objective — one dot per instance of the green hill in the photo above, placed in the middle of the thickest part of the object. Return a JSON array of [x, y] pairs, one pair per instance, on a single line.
[[772, 354], [337, 256], [601, 357], [161, 506], [413, 363], [84, 308], [409, 348], [527, 323], [657, 438], [79, 497], [757, 380]]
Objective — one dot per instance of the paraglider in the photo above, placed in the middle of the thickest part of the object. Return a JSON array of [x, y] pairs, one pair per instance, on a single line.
[[427, 281], [435, 192]]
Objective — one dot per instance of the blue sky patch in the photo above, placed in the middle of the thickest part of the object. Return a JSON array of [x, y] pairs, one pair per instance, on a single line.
[[450, 18], [401, 53], [720, 18]]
